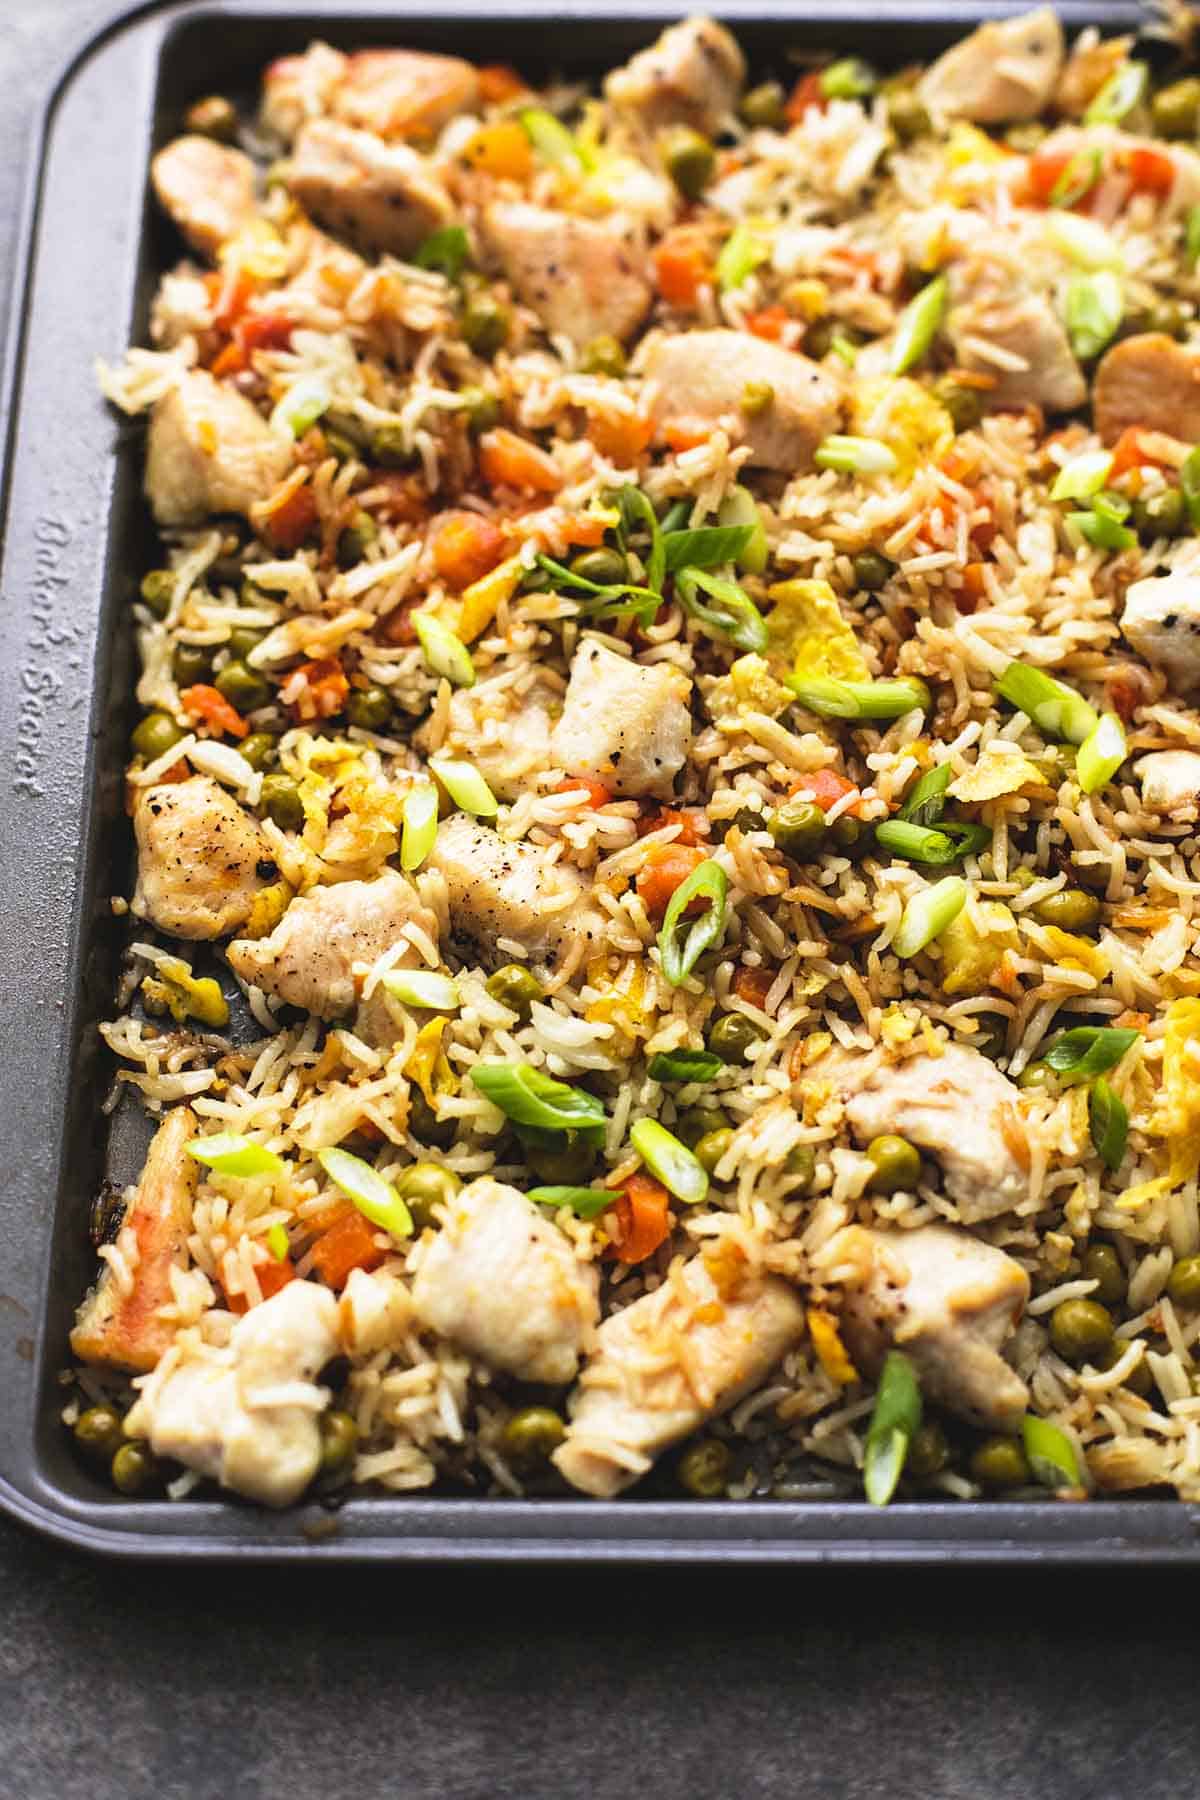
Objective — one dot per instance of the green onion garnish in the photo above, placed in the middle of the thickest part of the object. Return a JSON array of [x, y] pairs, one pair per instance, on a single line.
[[739, 256], [1189, 481], [375, 1198], [734, 615], [1083, 476], [685, 1065], [679, 955], [1050, 1454], [1103, 525], [1078, 178], [1084, 241], [228, 1153], [419, 816], [422, 987], [928, 913], [831, 699], [918, 326], [551, 139], [637, 514], [1192, 235], [1088, 1050], [1108, 1123], [301, 406], [1101, 753], [855, 456], [739, 511], [924, 844], [1122, 92], [447, 252], [1095, 307], [465, 786], [848, 79], [584, 1202], [672, 1162], [528, 1097], [1056, 709], [895, 1421], [707, 546], [926, 799], [277, 1243], [444, 653]]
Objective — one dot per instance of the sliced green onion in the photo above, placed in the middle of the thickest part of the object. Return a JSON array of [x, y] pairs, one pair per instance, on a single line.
[[375, 1198], [1101, 754], [1122, 92], [928, 913], [672, 1162], [739, 512], [739, 256], [918, 326], [709, 545], [228, 1153], [1050, 1454], [855, 456], [1078, 178], [447, 252], [637, 513], [1189, 484], [1094, 309], [680, 954], [1103, 526], [301, 407], [845, 348], [419, 816], [1056, 709], [551, 139], [831, 699], [926, 799], [277, 1243], [528, 1097], [1191, 240], [848, 79], [685, 1065], [585, 1203], [676, 516], [1083, 476], [1108, 1123], [895, 1421], [1088, 1050], [444, 653], [1083, 241], [465, 786], [923, 844], [423, 987], [734, 616]]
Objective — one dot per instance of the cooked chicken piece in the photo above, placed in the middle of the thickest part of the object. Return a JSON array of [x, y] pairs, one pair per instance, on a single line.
[[1149, 381], [394, 93], [506, 735], [499, 889], [1170, 781], [958, 1106], [207, 188], [209, 451], [692, 75], [375, 1312], [248, 1415], [702, 375], [1162, 621], [949, 1302], [201, 859], [308, 960], [1018, 324], [624, 723], [1004, 71], [501, 1280], [665, 1364], [299, 88], [380, 196], [124, 1330], [584, 278], [1085, 72]]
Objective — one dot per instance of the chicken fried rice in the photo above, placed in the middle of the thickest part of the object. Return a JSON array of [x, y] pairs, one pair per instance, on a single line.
[[663, 946]]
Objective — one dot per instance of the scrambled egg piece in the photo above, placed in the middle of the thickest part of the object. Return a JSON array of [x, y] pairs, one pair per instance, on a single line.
[[807, 627], [994, 774], [973, 944], [904, 416]]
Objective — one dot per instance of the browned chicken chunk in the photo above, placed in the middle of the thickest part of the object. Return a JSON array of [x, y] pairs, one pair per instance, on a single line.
[[394, 93], [381, 196], [497, 889], [692, 75], [207, 188], [201, 859], [1149, 381], [702, 375], [1006, 70], [208, 451], [583, 277]]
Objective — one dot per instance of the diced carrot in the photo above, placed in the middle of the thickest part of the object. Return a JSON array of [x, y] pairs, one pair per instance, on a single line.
[[597, 793], [1046, 168], [498, 83], [753, 985], [288, 521], [346, 1246], [689, 824], [501, 149], [230, 290], [506, 460], [204, 703], [974, 586], [686, 434], [768, 322], [466, 547], [271, 1275], [320, 694], [807, 92], [1151, 171], [1124, 698], [1134, 449], [666, 867], [229, 360], [824, 787], [622, 437], [641, 1216], [682, 265], [264, 331]]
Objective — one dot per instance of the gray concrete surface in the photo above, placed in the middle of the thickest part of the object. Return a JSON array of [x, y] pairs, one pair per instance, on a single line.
[[153, 1685]]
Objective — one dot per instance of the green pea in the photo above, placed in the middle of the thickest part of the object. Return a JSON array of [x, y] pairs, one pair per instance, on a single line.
[[801, 1165], [1175, 109], [243, 639], [156, 734], [700, 1122], [757, 398], [486, 324], [1070, 909], [1139, 1381], [98, 1432], [962, 402], [481, 409], [704, 1469], [342, 448], [423, 1186], [242, 686], [389, 448], [1000, 1462], [1102, 1264], [764, 107], [259, 749], [712, 1147], [532, 1435], [157, 590], [357, 538], [872, 571], [369, 707], [603, 566], [213, 117], [897, 1164], [847, 834], [339, 1441], [134, 1469], [689, 159], [424, 1124], [604, 355], [1183, 1284], [928, 1451], [1080, 1329], [798, 828], [732, 1035], [515, 987], [560, 1159], [281, 802], [907, 117], [190, 663], [1160, 515]]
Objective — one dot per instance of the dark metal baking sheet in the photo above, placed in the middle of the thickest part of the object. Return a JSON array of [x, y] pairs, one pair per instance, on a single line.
[[75, 536]]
